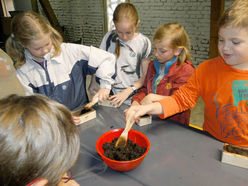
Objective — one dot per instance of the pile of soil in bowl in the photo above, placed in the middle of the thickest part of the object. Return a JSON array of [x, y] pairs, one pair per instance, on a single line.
[[130, 152]]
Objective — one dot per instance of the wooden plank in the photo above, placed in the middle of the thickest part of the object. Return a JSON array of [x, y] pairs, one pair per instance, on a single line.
[[84, 117], [234, 158], [106, 103], [46, 6], [217, 9], [34, 4], [145, 120]]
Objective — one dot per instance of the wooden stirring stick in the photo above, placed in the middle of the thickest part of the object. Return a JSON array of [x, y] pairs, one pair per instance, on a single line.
[[122, 140]]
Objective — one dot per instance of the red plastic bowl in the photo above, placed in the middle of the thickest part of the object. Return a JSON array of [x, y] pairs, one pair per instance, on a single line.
[[135, 136]]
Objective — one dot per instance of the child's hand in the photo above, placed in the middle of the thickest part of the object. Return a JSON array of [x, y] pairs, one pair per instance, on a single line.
[[94, 86], [150, 98], [140, 110], [76, 120], [118, 99], [135, 112], [102, 94], [134, 103]]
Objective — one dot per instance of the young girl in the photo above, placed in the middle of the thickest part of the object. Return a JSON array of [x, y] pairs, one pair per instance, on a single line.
[[39, 142], [221, 82], [58, 70], [131, 49], [170, 69]]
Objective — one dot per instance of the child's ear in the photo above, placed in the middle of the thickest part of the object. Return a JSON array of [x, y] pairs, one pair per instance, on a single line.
[[178, 51], [137, 25]]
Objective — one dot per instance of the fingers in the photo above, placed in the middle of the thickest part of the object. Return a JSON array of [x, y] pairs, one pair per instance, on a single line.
[[103, 94], [76, 120], [117, 100], [96, 98]]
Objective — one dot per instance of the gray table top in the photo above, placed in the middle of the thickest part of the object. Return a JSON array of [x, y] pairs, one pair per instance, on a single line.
[[178, 156]]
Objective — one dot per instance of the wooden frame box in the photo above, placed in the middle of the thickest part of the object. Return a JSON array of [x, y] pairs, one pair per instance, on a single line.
[[145, 120], [235, 155], [106, 103], [85, 115]]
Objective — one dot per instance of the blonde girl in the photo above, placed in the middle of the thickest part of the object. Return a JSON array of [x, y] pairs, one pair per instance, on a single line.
[[131, 49], [46, 65], [170, 69]]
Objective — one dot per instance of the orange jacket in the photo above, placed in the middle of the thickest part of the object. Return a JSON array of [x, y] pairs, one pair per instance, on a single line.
[[176, 77], [225, 93]]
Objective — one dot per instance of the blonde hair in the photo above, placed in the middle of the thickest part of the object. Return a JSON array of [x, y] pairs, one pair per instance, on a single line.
[[25, 28], [127, 11], [38, 139], [178, 38], [236, 15]]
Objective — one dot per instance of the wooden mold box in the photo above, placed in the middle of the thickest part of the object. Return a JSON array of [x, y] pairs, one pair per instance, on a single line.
[[145, 120], [106, 103], [235, 155], [85, 115]]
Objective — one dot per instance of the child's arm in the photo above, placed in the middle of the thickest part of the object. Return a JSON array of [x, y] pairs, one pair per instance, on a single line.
[[150, 98], [183, 99], [94, 86], [104, 62], [102, 94], [140, 110], [144, 65]]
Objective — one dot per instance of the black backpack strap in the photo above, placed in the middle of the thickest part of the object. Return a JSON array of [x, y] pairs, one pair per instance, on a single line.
[[112, 37]]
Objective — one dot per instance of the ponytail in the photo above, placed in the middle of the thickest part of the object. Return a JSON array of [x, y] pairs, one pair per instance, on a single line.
[[16, 51], [183, 56], [117, 48]]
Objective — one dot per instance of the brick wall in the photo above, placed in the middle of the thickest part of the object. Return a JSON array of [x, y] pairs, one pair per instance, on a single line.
[[85, 19], [81, 19]]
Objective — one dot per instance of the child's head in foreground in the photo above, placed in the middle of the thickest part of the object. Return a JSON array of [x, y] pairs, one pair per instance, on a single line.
[[38, 140], [233, 35], [171, 40], [33, 32]]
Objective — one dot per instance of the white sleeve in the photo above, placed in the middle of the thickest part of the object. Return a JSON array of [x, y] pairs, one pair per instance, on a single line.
[[97, 58], [105, 64], [24, 81]]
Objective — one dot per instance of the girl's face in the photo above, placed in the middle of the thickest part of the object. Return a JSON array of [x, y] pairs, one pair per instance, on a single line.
[[163, 52], [125, 30], [40, 47], [233, 46]]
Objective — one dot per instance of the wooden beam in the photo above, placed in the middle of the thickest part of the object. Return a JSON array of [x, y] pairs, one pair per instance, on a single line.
[[34, 4], [217, 9], [46, 6]]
